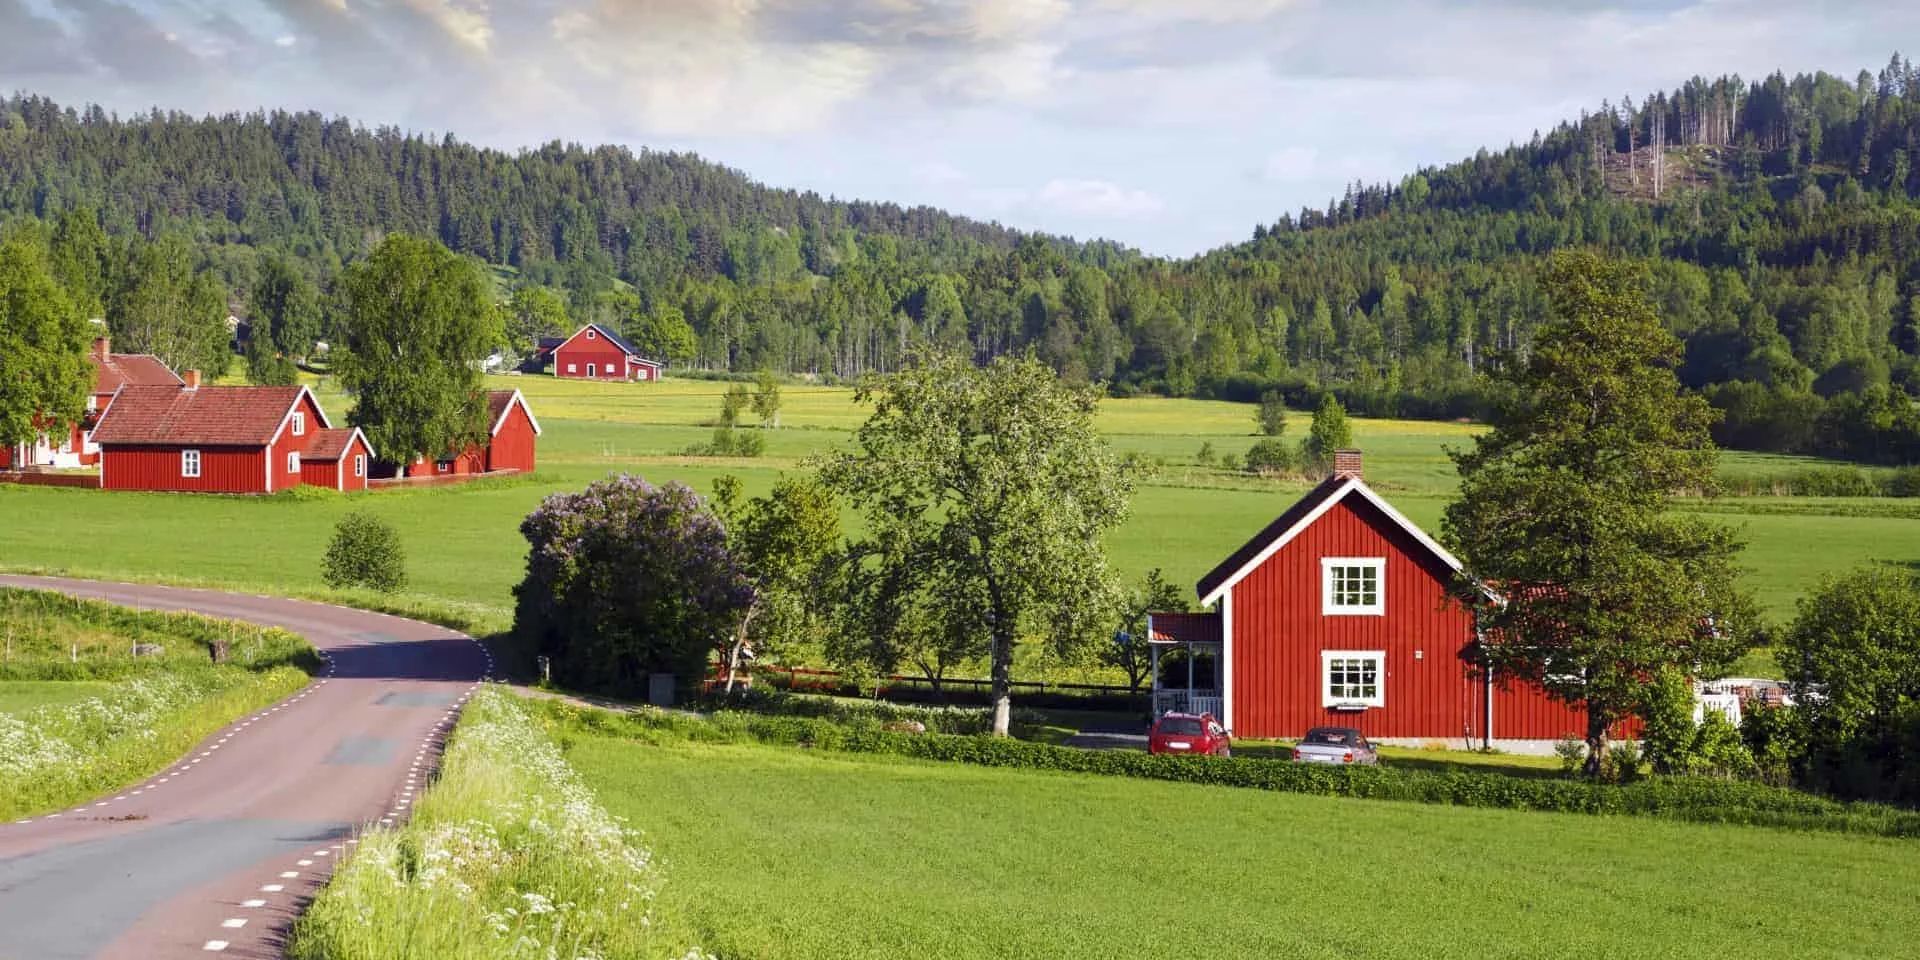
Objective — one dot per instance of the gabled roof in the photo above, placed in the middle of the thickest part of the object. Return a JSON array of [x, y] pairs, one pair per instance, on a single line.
[[332, 444], [545, 345], [499, 402], [216, 416], [1301, 516], [1183, 628], [612, 337], [117, 370]]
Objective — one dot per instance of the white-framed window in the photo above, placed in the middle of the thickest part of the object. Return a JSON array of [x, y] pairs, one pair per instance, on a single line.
[[1353, 678], [1353, 586], [293, 461], [189, 463], [299, 423], [573, 368], [359, 464], [590, 334]]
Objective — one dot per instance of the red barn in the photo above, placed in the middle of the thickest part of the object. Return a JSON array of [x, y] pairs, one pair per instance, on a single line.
[[337, 458], [111, 372], [596, 353], [206, 439], [512, 435], [1340, 613]]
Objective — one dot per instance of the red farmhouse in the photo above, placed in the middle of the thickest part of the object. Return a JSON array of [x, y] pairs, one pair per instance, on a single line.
[[337, 458], [596, 353], [207, 439], [111, 372], [1340, 613], [512, 434]]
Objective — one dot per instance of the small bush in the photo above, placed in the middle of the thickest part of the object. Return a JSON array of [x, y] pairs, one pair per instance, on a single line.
[[1206, 455], [1572, 752], [1269, 455], [365, 552]]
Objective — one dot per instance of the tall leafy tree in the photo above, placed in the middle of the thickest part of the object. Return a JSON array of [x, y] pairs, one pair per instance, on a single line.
[[992, 482], [1131, 651], [534, 312], [284, 309], [1563, 509], [1853, 655], [785, 542], [82, 259], [44, 374], [419, 321], [160, 304], [663, 334]]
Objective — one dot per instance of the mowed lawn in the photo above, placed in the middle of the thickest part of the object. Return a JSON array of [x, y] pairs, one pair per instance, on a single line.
[[780, 853], [465, 550]]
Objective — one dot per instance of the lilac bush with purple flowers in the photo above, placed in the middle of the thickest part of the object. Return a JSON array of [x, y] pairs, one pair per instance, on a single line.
[[625, 579]]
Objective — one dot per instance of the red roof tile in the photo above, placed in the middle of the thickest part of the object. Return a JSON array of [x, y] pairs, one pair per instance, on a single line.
[[217, 416], [1185, 628], [118, 370], [330, 445]]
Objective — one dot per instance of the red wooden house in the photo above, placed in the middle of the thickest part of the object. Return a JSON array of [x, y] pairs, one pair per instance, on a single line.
[[337, 458], [596, 353], [1341, 613], [111, 372], [512, 436], [206, 439]]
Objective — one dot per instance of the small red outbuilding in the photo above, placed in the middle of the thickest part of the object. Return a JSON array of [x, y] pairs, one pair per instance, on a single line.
[[512, 438], [597, 353], [337, 458], [1341, 613]]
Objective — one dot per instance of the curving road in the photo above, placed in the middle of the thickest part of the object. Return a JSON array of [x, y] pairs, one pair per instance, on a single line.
[[215, 855]]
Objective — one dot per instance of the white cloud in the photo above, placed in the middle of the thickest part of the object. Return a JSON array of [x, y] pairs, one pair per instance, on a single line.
[[1099, 198], [1292, 164]]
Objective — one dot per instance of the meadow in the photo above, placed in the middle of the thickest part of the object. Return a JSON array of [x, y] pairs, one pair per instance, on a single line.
[[465, 552], [778, 852]]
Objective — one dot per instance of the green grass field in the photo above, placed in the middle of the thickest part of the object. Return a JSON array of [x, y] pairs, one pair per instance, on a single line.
[[465, 551], [777, 852], [19, 696]]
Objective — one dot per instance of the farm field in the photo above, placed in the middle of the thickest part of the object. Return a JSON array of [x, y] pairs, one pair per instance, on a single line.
[[776, 852], [465, 552]]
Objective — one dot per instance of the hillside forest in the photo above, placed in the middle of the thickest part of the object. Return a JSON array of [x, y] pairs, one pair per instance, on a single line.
[[1777, 219]]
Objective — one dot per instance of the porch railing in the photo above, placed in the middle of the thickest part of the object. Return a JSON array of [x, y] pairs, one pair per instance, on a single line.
[[1180, 701]]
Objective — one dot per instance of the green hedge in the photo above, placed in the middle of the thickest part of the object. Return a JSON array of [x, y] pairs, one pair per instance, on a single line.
[[1680, 798]]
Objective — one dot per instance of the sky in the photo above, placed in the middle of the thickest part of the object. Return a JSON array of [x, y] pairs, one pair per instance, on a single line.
[[1170, 125]]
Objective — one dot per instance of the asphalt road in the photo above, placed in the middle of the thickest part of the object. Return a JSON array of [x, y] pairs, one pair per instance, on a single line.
[[215, 855]]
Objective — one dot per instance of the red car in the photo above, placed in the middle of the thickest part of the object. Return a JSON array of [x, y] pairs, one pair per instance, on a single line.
[[1189, 733]]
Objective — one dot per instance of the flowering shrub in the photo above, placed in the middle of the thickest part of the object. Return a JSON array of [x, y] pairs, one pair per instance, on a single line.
[[508, 856], [625, 579]]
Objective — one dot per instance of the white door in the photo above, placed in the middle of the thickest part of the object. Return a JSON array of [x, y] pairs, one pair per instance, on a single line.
[[591, 372]]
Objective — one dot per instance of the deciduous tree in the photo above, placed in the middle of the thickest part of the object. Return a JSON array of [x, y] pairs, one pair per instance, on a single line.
[[419, 321], [1131, 651], [993, 483], [785, 542], [284, 309], [162, 305], [44, 374], [1563, 509]]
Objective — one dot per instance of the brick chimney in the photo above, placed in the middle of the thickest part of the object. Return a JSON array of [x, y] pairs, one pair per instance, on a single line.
[[192, 377], [101, 347], [1346, 463]]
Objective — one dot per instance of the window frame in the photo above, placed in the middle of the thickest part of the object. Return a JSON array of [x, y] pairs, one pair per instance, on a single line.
[[190, 464], [1328, 595], [591, 334], [573, 368], [299, 423], [359, 465], [1379, 698], [293, 461]]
